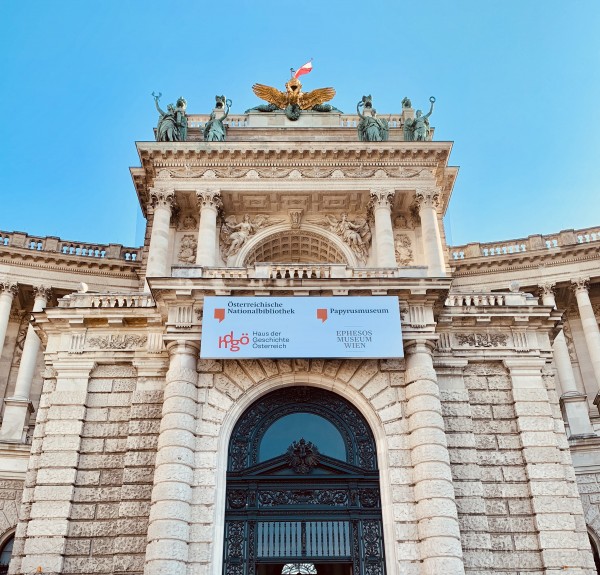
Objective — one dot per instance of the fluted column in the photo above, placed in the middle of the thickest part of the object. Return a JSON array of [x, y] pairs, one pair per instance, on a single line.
[[428, 200], [381, 204], [210, 202], [170, 514], [437, 515], [573, 402], [589, 324], [18, 407], [8, 290], [163, 201]]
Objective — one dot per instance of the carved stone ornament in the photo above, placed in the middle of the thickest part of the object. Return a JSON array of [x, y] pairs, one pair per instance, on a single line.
[[188, 222], [427, 198], [233, 235], [8, 286], [381, 198], [302, 456], [117, 341], [546, 289], [403, 249], [162, 198], [482, 339], [209, 199], [580, 284], [295, 218], [42, 292], [187, 249], [402, 222], [356, 234]]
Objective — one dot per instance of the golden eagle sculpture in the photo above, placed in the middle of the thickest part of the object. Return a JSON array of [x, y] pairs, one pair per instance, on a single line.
[[293, 100]]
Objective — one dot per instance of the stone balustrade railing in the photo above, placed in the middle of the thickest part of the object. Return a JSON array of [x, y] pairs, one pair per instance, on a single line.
[[528, 244], [467, 299], [296, 271], [106, 300], [56, 245]]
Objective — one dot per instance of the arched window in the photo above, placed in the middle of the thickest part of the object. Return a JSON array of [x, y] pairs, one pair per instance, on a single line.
[[303, 488], [6, 553]]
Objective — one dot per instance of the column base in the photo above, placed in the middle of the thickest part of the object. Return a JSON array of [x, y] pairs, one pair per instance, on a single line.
[[16, 417], [574, 407]]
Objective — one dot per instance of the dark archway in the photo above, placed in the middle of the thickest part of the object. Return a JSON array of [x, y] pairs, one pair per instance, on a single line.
[[303, 488]]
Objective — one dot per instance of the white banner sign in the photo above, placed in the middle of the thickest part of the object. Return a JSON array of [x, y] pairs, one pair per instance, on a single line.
[[294, 327]]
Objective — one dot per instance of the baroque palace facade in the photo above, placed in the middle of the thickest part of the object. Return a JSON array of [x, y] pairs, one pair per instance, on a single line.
[[474, 450]]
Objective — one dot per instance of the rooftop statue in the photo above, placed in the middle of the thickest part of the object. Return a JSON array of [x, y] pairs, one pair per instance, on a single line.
[[417, 129], [214, 130], [370, 128], [172, 124], [294, 100]]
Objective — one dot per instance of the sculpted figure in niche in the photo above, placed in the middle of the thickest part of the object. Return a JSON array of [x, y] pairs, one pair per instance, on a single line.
[[234, 235], [187, 249], [214, 130], [370, 128]]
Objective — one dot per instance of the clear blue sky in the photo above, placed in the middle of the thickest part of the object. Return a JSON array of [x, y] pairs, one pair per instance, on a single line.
[[517, 86]]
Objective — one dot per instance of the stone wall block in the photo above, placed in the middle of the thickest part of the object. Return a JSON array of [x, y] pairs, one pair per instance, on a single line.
[[367, 370], [219, 399], [427, 488], [75, 397], [389, 413], [56, 476], [422, 386], [173, 491], [173, 472], [376, 385], [422, 453], [426, 509], [62, 427], [233, 370], [422, 436], [227, 387], [438, 527], [47, 527], [181, 388], [433, 470], [176, 437], [182, 421], [48, 509], [424, 404], [445, 565], [52, 563]]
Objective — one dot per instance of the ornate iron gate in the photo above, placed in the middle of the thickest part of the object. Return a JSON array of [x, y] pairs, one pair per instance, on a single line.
[[305, 503]]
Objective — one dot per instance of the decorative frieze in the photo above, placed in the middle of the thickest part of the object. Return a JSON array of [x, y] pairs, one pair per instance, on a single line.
[[492, 339], [124, 341]]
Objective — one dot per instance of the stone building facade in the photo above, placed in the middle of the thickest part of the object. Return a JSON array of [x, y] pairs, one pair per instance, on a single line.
[[123, 452]]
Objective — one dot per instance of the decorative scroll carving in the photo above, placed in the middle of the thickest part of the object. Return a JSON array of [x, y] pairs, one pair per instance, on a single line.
[[8, 286], [127, 341], [209, 199], [482, 339], [403, 249], [302, 456], [187, 249], [546, 289], [381, 198], [234, 541], [427, 198], [234, 235], [580, 284], [162, 198], [42, 291], [357, 233]]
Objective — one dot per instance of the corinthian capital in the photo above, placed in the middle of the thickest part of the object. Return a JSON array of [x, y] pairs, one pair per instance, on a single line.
[[162, 198], [8, 286], [581, 284], [209, 199], [546, 289], [42, 292], [381, 198], [427, 198]]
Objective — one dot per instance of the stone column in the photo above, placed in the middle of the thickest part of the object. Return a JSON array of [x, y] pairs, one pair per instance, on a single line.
[[8, 290], [210, 203], [381, 204], [18, 407], [573, 402], [428, 200], [590, 327], [439, 532], [163, 201], [170, 514]]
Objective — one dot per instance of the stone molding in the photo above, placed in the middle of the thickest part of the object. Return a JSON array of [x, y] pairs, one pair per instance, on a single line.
[[581, 284], [427, 198], [8, 286], [209, 199], [381, 198], [42, 292], [162, 198], [546, 289], [122, 341]]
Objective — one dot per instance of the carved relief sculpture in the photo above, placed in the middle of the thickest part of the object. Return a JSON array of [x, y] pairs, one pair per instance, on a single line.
[[187, 249], [403, 249], [356, 234], [234, 235]]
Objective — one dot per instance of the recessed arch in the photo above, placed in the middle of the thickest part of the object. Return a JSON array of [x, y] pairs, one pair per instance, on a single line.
[[303, 505]]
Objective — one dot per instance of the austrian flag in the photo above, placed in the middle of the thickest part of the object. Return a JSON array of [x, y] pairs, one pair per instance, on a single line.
[[305, 69]]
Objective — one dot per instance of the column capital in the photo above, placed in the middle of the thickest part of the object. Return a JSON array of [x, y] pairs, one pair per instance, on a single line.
[[546, 289], [580, 285], [381, 198], [9, 286], [209, 198], [42, 292], [420, 345], [427, 198], [162, 198]]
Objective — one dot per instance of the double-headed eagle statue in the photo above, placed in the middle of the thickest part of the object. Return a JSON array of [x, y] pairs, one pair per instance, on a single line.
[[293, 100]]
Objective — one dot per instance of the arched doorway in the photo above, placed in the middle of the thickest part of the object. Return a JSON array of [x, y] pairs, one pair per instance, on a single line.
[[303, 488]]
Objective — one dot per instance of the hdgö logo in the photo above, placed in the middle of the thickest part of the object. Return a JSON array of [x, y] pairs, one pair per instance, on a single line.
[[228, 341]]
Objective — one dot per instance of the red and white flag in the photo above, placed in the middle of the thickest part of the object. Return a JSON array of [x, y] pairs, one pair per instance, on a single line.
[[305, 69]]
